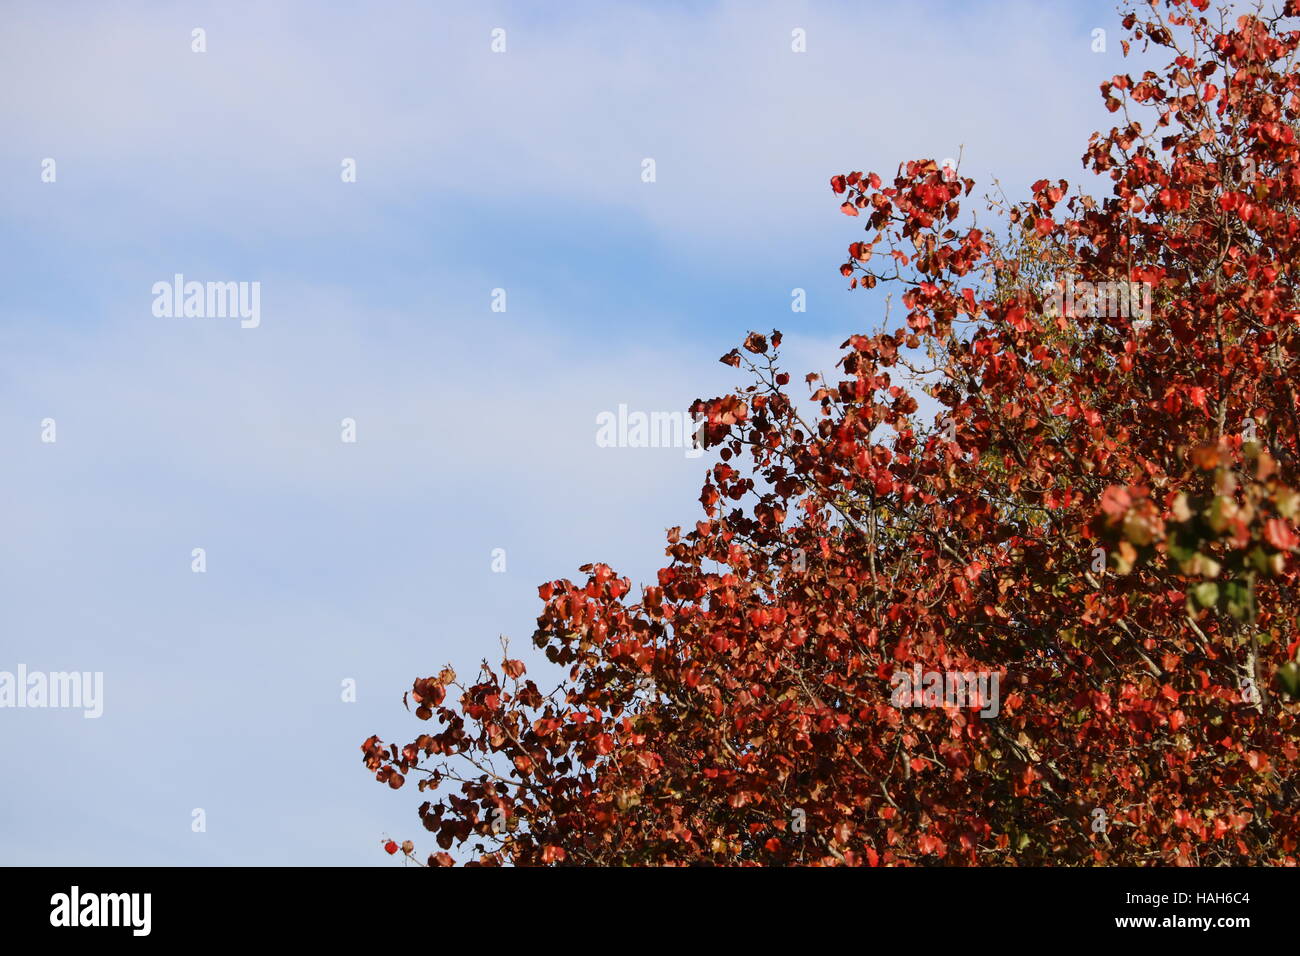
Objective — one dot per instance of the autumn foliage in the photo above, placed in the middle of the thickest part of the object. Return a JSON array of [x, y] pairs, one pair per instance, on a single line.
[[1097, 504]]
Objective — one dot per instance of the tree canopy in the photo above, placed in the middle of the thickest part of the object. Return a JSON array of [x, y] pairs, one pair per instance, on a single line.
[[1099, 524]]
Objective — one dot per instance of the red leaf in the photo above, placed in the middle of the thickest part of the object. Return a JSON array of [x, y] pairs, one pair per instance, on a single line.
[[1115, 501]]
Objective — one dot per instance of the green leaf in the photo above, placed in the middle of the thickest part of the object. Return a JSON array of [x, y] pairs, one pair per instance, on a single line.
[[1288, 677], [1206, 593], [1239, 599]]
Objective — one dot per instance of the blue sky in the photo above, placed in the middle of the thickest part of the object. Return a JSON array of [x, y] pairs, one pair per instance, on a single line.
[[520, 170]]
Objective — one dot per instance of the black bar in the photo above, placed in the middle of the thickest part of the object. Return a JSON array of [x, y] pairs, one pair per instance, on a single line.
[[878, 906]]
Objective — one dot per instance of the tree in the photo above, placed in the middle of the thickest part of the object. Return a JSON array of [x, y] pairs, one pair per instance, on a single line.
[[1098, 528]]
